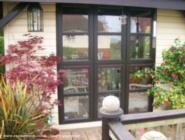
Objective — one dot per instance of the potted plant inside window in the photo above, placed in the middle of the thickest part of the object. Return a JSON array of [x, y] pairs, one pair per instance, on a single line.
[[143, 76]]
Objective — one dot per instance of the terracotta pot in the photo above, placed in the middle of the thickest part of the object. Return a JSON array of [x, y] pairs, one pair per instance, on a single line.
[[50, 134]]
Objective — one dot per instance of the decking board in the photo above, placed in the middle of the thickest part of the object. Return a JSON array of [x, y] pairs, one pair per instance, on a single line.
[[82, 134]]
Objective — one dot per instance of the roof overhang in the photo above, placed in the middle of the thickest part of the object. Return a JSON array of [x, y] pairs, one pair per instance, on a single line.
[[166, 4], [12, 14]]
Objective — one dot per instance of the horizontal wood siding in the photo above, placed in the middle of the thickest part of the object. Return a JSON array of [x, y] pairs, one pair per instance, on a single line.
[[170, 26], [15, 30]]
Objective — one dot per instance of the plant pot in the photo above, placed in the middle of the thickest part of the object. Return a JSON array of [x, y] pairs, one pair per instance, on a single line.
[[160, 108], [134, 80], [50, 134]]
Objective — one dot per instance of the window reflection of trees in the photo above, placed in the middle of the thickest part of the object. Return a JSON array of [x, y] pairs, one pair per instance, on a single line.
[[76, 81]]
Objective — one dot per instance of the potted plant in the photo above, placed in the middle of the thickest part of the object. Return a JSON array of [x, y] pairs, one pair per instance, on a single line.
[[36, 73], [19, 112], [50, 134], [143, 76], [169, 88]]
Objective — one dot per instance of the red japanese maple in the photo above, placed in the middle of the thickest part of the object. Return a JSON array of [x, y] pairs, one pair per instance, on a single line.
[[37, 72]]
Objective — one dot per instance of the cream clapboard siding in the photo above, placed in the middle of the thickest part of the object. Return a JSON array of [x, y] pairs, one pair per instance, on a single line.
[[15, 30], [170, 25]]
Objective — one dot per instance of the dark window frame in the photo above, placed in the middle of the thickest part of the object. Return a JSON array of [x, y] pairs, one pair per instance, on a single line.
[[93, 63]]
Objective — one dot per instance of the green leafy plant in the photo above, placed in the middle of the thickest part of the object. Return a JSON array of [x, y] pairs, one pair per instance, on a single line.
[[169, 89], [142, 76], [20, 115]]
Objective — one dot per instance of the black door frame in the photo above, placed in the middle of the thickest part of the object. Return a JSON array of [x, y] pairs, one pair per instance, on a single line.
[[93, 63]]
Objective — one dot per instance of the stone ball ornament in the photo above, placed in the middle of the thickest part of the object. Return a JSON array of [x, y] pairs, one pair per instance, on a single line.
[[110, 104], [111, 108], [153, 135]]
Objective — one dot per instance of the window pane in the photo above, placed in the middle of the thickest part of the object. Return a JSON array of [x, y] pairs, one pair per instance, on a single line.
[[75, 47], [109, 79], [76, 107], [109, 23], [109, 47], [76, 81], [75, 23], [140, 24], [138, 102], [140, 78], [139, 47]]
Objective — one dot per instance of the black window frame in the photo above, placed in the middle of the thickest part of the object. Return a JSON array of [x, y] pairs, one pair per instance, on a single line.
[[93, 63]]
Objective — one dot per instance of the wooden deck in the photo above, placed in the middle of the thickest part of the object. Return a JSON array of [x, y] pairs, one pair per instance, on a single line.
[[81, 134]]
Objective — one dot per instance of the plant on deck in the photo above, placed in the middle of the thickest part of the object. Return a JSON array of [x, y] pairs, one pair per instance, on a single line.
[[26, 99], [169, 89], [37, 72], [20, 114]]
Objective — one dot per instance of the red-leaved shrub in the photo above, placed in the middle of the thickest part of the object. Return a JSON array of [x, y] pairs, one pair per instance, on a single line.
[[37, 72]]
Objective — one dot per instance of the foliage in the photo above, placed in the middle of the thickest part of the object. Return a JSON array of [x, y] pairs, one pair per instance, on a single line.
[[37, 72], [142, 76], [20, 113], [171, 73], [70, 51]]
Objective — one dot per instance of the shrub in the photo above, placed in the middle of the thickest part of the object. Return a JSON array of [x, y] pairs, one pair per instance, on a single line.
[[38, 73], [20, 114], [171, 73]]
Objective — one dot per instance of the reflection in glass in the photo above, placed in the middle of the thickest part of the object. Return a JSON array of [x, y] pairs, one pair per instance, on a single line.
[[75, 23], [109, 47], [140, 25], [100, 100], [139, 47], [109, 23], [109, 79], [75, 47], [76, 107], [76, 81], [138, 102], [140, 78]]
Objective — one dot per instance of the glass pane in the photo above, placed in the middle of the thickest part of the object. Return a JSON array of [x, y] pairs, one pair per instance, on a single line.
[[138, 102], [76, 81], [140, 78], [75, 23], [109, 47], [109, 79], [140, 24], [109, 23], [100, 100], [75, 47], [139, 47], [76, 107]]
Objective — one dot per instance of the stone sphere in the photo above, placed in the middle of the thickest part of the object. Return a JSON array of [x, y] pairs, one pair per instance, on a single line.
[[111, 104], [153, 135]]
